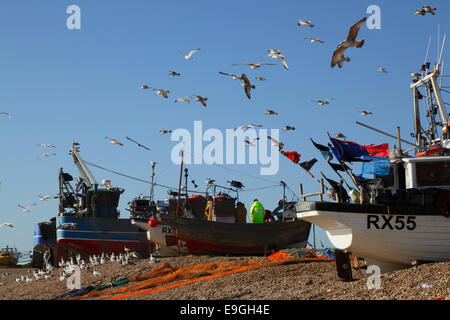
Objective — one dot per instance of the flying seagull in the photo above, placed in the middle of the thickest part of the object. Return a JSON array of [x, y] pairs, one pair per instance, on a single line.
[[235, 77], [165, 131], [306, 23], [189, 55], [45, 198], [338, 54], [365, 113], [7, 224], [46, 155], [137, 143], [46, 145], [236, 184], [312, 40], [260, 78], [195, 185], [249, 143], [246, 127], [184, 99], [254, 65], [382, 70], [114, 141], [420, 11], [162, 92], [429, 9], [5, 114], [145, 87], [339, 135], [271, 112], [247, 85], [277, 54], [201, 99], [173, 73], [27, 209], [322, 102], [276, 143], [287, 128]]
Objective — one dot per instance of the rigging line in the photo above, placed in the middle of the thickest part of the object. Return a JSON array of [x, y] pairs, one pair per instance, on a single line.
[[261, 188], [242, 173], [137, 179]]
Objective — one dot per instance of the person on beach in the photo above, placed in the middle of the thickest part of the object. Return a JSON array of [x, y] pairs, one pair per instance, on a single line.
[[257, 212]]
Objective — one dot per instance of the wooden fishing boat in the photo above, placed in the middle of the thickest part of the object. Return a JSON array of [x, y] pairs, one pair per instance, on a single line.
[[203, 237]]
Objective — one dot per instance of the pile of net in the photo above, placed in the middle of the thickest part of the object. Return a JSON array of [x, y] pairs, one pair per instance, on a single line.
[[165, 276], [300, 254]]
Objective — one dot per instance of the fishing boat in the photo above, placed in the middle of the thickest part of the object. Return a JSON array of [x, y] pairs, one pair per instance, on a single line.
[[8, 256], [88, 222], [200, 224], [401, 218]]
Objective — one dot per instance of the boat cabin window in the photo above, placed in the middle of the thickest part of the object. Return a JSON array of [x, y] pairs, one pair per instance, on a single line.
[[433, 174]]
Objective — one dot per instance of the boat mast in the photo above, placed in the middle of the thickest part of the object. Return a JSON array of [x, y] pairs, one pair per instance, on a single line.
[[153, 182], [84, 170]]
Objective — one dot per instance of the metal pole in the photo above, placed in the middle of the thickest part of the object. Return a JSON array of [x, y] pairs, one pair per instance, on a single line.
[[387, 134], [181, 177], [398, 140], [153, 182], [284, 196]]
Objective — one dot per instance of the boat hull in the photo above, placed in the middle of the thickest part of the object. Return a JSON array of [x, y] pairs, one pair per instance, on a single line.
[[210, 237], [389, 240], [99, 235]]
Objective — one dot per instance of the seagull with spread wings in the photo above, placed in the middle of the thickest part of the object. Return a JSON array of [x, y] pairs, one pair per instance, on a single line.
[[189, 55], [48, 154], [114, 141], [247, 85], [137, 143], [254, 65], [312, 40], [276, 143], [322, 102], [338, 54], [28, 208], [7, 224], [165, 131], [365, 113], [271, 112], [184, 99], [234, 76], [306, 23], [173, 73], [46, 145], [277, 54], [162, 92], [201, 99]]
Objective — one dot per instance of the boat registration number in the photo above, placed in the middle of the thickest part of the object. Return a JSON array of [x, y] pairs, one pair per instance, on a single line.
[[381, 221]]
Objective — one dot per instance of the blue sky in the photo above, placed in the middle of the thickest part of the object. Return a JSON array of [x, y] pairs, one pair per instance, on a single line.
[[61, 85]]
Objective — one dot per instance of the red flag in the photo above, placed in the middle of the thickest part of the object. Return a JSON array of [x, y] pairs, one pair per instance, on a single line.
[[292, 155], [381, 150]]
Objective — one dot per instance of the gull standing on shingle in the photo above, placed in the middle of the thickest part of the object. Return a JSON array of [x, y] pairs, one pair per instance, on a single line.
[[162, 92], [189, 55], [338, 54], [114, 141], [137, 143], [201, 99], [306, 23], [312, 40]]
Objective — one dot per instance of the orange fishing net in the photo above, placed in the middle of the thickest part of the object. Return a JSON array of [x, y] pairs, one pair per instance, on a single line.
[[167, 277]]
